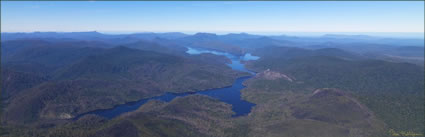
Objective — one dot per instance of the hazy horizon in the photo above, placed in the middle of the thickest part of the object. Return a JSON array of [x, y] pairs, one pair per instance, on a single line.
[[189, 16], [414, 35], [212, 68]]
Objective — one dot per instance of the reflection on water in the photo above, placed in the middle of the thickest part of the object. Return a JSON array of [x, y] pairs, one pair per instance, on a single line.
[[236, 60], [248, 56], [193, 51]]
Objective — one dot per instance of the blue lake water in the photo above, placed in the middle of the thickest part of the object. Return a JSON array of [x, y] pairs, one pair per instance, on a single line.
[[230, 94], [236, 60]]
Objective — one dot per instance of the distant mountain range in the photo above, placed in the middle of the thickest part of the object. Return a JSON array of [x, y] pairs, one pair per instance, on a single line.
[[334, 85], [236, 43], [93, 35]]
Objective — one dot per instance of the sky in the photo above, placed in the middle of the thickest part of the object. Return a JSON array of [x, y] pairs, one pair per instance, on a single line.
[[213, 16]]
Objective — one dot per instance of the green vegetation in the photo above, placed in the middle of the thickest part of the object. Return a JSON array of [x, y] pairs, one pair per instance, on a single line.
[[107, 78], [154, 119], [326, 92], [284, 109], [393, 91]]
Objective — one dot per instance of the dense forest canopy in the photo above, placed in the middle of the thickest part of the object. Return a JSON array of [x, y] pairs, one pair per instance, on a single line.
[[334, 85]]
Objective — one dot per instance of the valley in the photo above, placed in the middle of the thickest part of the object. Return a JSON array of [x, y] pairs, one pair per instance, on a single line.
[[176, 86], [212, 68], [229, 94]]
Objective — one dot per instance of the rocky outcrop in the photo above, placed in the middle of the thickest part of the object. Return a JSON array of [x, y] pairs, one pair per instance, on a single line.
[[273, 75], [65, 116], [327, 92]]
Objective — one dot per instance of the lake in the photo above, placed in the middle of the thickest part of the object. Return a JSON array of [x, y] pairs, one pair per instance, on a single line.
[[230, 94]]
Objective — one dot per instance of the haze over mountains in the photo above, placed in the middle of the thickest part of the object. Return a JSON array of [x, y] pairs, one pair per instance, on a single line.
[[394, 49], [333, 85], [234, 42]]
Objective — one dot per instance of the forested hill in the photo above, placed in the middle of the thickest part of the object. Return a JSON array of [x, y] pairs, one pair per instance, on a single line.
[[81, 79], [394, 91], [329, 86]]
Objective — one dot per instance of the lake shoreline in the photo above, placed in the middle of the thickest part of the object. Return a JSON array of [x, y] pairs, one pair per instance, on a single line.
[[234, 91]]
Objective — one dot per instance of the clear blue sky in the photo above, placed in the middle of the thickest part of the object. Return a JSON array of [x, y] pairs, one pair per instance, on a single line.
[[218, 16]]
